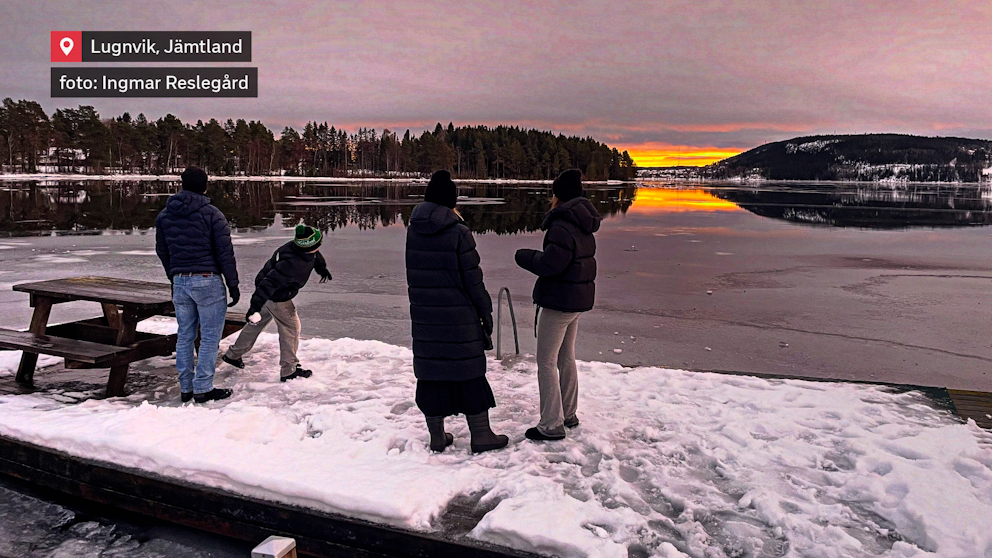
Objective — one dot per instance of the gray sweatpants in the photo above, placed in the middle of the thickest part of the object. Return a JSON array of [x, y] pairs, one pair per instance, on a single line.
[[288, 325], [557, 376]]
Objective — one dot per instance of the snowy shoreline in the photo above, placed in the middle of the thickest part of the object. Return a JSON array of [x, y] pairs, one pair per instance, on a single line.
[[666, 463], [11, 177]]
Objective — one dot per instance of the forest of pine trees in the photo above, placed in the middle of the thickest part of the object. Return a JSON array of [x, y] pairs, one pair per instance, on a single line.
[[79, 140]]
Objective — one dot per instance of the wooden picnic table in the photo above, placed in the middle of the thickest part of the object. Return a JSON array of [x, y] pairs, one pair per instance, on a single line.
[[125, 303]]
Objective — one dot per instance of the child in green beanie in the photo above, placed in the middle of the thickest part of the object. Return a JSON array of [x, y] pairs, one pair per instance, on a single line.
[[279, 281]]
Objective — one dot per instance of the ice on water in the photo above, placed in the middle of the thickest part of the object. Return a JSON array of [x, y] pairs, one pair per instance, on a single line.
[[33, 527], [665, 463]]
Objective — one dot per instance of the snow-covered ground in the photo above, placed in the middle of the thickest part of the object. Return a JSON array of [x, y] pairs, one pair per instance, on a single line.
[[273, 178], [16, 177], [665, 463]]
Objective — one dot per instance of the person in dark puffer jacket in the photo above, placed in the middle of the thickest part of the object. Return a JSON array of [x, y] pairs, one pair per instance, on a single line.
[[451, 312], [279, 281], [565, 288], [193, 240]]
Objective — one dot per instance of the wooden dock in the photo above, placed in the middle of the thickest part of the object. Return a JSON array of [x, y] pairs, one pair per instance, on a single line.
[[172, 500], [976, 405]]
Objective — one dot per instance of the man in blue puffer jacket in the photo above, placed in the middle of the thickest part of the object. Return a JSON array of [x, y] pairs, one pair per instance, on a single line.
[[193, 241]]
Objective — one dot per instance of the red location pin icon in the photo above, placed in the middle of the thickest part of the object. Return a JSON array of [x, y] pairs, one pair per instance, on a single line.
[[67, 46]]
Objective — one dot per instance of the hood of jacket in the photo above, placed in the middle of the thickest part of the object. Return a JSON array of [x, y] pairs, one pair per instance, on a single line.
[[578, 211], [185, 203], [431, 218]]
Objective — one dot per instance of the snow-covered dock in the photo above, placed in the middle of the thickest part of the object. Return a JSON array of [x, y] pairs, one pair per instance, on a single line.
[[665, 463]]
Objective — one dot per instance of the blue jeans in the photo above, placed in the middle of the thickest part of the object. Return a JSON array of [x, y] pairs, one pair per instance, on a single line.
[[201, 302]]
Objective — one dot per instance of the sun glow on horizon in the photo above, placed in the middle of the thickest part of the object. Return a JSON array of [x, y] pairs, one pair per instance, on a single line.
[[657, 155]]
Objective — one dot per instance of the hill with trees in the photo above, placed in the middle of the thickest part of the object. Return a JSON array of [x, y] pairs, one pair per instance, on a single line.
[[79, 140], [868, 157]]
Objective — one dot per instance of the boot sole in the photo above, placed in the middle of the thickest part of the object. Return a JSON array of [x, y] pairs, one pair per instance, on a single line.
[[489, 447]]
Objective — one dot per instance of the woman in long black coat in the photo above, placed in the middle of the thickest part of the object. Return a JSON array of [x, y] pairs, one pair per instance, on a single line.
[[452, 319]]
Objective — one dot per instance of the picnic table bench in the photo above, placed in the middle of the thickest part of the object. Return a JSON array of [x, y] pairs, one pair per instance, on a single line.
[[110, 340]]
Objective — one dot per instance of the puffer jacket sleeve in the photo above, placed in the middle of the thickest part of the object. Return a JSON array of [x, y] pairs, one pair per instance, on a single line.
[[161, 247], [278, 276], [471, 274], [223, 248], [559, 248], [319, 264]]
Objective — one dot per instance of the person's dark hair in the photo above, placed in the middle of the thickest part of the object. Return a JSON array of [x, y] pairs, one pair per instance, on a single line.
[[568, 185], [194, 180], [442, 190]]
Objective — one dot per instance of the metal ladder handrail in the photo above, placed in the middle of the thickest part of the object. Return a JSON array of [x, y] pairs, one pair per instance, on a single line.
[[499, 322]]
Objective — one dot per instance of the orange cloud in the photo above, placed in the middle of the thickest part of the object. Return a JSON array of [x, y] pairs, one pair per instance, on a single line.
[[664, 200], [663, 155]]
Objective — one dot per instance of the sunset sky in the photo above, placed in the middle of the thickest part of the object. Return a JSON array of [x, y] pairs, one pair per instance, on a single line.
[[673, 82]]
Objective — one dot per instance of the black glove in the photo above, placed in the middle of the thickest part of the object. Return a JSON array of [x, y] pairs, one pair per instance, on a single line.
[[251, 310], [325, 276], [487, 331], [524, 257], [235, 296]]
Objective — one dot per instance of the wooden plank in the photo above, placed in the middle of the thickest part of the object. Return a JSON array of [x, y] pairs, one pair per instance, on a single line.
[[147, 345], [109, 290], [317, 533], [233, 323], [84, 351], [125, 336], [112, 314], [39, 321], [975, 405], [84, 332]]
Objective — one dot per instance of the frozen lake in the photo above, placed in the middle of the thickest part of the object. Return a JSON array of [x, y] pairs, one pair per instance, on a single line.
[[866, 282], [850, 282]]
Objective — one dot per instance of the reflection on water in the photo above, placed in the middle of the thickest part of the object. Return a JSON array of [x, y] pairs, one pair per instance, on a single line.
[[868, 206], [661, 199], [94, 206], [90, 207]]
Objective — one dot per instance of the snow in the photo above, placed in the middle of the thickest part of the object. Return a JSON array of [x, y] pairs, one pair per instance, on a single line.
[[809, 147], [19, 177], [665, 462], [10, 359]]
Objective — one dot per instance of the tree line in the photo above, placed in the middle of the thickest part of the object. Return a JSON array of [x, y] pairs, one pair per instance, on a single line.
[[79, 140]]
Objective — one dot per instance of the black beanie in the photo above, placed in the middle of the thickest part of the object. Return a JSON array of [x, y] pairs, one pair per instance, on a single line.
[[568, 185], [441, 190], [194, 180]]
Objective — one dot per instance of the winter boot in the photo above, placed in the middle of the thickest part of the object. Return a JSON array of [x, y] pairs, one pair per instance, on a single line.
[[235, 362], [439, 438], [483, 438], [300, 372], [572, 422], [538, 436], [215, 394]]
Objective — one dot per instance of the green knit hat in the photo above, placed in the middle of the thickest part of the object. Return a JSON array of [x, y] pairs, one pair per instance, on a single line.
[[307, 238]]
